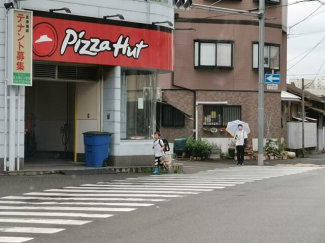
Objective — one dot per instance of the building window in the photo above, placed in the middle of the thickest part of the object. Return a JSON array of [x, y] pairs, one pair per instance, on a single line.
[[213, 54], [271, 56], [138, 104], [219, 116], [169, 116]]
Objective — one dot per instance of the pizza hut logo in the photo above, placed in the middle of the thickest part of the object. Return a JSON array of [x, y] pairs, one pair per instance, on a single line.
[[45, 40], [93, 46]]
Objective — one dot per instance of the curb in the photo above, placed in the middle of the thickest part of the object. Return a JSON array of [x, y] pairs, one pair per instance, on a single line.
[[101, 170]]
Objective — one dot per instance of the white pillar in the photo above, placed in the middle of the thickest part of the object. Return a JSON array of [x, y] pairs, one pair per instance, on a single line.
[[12, 127]]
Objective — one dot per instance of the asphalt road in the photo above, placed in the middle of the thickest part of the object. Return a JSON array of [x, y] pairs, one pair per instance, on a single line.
[[283, 209]]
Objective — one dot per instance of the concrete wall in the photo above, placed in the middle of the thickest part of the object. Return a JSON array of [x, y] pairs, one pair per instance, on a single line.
[[139, 11]]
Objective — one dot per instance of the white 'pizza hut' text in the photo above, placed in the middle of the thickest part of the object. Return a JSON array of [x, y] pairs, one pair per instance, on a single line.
[[94, 46]]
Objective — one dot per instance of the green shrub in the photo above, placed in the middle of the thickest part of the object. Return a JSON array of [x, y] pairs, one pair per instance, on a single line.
[[199, 146]]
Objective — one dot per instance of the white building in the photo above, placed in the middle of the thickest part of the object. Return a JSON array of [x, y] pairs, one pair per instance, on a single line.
[[89, 74]]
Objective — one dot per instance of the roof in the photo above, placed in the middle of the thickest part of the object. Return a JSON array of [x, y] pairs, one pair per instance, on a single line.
[[306, 119], [317, 110], [294, 90], [166, 103], [286, 96]]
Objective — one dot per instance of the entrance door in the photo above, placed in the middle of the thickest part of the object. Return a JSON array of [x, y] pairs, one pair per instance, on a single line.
[[50, 115]]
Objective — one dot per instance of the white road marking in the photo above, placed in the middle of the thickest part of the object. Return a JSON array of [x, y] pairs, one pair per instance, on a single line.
[[98, 195], [10, 239], [141, 188], [160, 186], [120, 191], [32, 230], [196, 179], [68, 208], [219, 186], [44, 221], [84, 199], [50, 214], [79, 203], [173, 182]]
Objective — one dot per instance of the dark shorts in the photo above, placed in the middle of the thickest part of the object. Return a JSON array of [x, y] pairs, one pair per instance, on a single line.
[[158, 160]]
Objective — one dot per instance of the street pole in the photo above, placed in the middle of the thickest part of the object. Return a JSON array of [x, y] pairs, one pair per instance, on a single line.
[[261, 18], [303, 117]]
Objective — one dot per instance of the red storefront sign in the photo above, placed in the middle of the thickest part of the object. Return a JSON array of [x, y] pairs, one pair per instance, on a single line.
[[94, 41]]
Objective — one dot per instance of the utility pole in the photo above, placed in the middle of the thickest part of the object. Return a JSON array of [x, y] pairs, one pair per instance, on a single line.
[[303, 117], [261, 17]]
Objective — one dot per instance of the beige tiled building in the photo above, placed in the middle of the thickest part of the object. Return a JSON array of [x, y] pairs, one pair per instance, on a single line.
[[216, 60]]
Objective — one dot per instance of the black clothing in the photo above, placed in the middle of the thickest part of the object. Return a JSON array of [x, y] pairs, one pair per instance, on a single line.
[[240, 154]]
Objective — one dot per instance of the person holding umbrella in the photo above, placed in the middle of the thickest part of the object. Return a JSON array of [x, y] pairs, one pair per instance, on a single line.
[[241, 141]]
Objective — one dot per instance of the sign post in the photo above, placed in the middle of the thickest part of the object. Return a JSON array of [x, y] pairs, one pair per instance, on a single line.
[[20, 47], [19, 73], [272, 81]]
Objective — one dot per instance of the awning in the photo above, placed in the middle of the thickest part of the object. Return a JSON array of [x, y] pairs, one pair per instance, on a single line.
[[298, 119], [286, 96], [306, 119], [318, 110], [166, 103], [311, 119]]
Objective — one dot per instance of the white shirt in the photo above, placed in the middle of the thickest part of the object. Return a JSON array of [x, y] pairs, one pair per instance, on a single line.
[[157, 146], [240, 137]]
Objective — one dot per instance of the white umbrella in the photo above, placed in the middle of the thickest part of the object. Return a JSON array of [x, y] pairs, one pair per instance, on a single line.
[[232, 127]]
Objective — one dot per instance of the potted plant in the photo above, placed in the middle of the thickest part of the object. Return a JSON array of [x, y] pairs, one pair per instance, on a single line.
[[232, 149], [275, 148], [200, 148], [189, 145]]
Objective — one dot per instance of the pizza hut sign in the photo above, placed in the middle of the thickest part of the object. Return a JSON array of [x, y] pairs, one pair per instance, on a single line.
[[93, 46], [75, 41]]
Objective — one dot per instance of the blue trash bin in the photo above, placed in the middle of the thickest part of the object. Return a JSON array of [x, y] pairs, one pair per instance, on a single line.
[[96, 148]]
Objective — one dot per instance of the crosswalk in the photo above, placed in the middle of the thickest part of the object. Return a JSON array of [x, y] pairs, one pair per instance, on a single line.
[[22, 218]]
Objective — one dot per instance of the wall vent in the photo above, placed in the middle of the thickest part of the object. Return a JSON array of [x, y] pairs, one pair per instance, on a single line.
[[53, 72]]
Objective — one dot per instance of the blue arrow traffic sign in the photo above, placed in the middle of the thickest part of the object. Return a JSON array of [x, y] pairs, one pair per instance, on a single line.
[[272, 78]]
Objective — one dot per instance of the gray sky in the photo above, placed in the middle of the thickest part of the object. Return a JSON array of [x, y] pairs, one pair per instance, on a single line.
[[299, 44]]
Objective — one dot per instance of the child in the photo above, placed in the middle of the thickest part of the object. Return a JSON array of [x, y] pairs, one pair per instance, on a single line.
[[158, 147]]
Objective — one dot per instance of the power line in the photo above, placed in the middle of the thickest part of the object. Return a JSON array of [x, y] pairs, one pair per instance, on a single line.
[[317, 74], [305, 18], [290, 4], [307, 53], [273, 6], [303, 53], [309, 74], [304, 34]]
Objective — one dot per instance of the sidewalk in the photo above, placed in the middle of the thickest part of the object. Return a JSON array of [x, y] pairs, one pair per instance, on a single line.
[[52, 166], [57, 166], [190, 166]]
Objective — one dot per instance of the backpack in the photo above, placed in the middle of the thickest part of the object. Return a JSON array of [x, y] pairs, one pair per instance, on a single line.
[[166, 144]]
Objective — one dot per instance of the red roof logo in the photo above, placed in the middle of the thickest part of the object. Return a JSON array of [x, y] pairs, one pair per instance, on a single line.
[[45, 40]]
